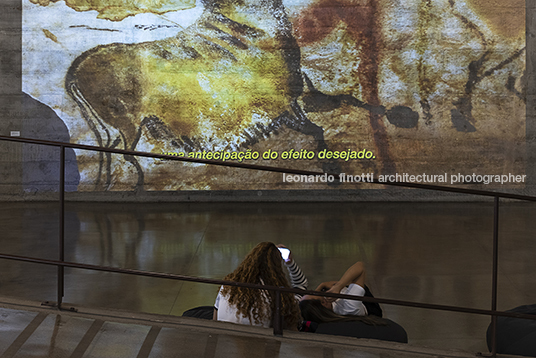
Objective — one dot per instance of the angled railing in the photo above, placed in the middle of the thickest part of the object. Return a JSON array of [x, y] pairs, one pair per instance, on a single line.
[[277, 318]]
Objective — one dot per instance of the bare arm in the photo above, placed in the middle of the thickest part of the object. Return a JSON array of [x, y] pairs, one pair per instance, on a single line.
[[326, 285], [217, 305], [354, 274]]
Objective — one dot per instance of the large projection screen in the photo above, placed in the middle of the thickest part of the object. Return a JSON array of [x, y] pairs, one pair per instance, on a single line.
[[429, 91]]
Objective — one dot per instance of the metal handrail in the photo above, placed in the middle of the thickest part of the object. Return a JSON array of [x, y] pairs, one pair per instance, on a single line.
[[278, 329], [268, 168], [178, 277]]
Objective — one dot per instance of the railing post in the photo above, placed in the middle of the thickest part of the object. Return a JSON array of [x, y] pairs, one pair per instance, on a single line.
[[61, 248], [495, 276], [277, 318]]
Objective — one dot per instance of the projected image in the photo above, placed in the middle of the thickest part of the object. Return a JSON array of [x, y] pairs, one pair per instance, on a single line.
[[378, 87]]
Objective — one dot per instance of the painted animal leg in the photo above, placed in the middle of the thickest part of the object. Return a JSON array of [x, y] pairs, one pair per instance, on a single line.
[[139, 170], [316, 101], [99, 129], [300, 123], [399, 116], [132, 159]]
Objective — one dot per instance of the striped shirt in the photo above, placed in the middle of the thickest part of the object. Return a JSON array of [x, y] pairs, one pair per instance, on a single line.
[[297, 278]]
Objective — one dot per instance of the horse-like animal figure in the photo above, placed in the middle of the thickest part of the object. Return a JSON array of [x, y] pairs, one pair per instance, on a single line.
[[227, 81]]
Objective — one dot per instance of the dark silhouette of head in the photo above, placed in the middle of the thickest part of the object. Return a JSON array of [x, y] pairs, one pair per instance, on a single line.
[[313, 310], [262, 265]]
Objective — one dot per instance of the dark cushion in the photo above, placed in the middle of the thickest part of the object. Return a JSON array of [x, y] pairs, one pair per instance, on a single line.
[[373, 308], [515, 336], [204, 312], [391, 331]]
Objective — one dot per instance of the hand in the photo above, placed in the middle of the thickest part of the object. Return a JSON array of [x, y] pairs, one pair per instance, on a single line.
[[324, 286], [335, 288], [289, 258], [328, 301]]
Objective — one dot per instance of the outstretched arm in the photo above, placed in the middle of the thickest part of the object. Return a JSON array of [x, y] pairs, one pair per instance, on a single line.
[[297, 278]]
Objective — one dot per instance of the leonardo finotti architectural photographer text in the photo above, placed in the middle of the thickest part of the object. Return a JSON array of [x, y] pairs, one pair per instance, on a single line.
[[408, 178]]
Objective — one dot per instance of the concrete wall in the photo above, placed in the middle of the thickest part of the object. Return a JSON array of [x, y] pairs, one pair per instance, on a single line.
[[531, 94], [10, 90], [29, 172]]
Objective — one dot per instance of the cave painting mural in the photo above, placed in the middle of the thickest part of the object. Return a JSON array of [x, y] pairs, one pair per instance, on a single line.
[[420, 86]]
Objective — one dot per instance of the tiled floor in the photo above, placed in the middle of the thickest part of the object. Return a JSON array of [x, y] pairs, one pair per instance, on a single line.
[[424, 252], [47, 333]]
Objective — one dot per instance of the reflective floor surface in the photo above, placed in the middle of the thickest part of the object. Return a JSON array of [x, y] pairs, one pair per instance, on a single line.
[[46, 333], [423, 252]]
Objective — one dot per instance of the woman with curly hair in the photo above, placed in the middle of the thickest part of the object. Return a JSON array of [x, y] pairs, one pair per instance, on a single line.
[[263, 265]]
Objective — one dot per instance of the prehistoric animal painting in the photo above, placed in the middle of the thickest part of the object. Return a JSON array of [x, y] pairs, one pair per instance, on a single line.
[[221, 84], [117, 10], [458, 64], [422, 85]]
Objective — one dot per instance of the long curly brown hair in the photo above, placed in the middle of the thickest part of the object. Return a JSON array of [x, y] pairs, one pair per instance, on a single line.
[[263, 265]]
